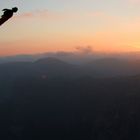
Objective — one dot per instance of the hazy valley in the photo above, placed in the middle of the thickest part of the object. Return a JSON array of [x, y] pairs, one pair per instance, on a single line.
[[49, 98]]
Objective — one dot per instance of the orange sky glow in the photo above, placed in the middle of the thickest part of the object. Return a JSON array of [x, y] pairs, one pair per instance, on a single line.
[[43, 30]]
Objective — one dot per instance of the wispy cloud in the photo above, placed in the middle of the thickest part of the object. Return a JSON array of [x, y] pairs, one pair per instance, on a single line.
[[84, 49], [60, 15], [134, 1], [34, 14]]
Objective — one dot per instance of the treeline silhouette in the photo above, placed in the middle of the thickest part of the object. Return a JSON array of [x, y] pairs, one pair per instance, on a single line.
[[36, 105]]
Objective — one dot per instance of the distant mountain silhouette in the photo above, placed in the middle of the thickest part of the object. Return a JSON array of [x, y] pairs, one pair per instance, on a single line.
[[52, 99], [50, 61], [53, 67], [111, 67], [49, 67]]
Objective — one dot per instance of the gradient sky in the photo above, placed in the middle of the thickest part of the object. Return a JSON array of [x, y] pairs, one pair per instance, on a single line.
[[63, 25]]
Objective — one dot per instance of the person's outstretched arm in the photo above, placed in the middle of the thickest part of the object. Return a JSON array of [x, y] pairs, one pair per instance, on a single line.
[[5, 9]]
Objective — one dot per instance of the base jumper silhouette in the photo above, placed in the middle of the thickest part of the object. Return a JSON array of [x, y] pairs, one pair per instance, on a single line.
[[8, 13]]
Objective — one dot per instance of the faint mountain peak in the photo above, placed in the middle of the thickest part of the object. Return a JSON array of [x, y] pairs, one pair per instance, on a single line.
[[110, 59], [49, 61], [107, 61]]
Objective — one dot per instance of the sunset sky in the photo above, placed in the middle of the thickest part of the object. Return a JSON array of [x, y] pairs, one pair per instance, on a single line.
[[63, 25]]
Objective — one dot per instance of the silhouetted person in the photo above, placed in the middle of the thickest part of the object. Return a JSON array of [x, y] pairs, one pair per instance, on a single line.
[[8, 13]]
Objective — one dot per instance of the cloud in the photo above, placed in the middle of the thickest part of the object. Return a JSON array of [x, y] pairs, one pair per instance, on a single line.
[[84, 50], [133, 2], [43, 14], [33, 14]]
